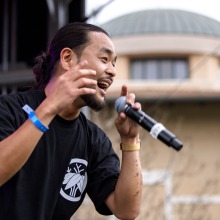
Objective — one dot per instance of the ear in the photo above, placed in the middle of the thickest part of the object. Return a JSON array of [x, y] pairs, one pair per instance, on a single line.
[[67, 58]]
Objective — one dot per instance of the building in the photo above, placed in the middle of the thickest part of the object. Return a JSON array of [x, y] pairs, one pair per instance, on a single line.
[[170, 60]]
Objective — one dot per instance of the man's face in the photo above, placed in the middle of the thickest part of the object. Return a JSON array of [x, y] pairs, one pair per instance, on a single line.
[[101, 57]]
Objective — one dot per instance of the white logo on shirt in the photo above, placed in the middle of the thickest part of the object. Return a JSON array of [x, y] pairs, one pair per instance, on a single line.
[[75, 180]]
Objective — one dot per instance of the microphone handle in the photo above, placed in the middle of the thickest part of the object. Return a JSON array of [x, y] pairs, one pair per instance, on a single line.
[[147, 122]]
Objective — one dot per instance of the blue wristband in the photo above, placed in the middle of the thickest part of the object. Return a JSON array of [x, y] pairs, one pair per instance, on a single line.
[[34, 118]]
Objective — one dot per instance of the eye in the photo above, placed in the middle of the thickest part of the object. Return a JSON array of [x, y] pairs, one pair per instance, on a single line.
[[104, 59]]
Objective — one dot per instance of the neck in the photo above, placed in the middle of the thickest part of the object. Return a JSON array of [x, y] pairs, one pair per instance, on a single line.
[[73, 110], [69, 113]]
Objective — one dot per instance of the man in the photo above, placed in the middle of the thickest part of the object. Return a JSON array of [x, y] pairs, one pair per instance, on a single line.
[[50, 154]]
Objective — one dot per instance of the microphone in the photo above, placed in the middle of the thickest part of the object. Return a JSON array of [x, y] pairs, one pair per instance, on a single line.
[[157, 130]]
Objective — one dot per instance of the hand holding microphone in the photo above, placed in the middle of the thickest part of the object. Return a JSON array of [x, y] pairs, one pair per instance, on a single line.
[[157, 130]]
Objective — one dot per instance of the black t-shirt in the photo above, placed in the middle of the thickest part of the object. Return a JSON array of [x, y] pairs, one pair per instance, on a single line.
[[71, 159]]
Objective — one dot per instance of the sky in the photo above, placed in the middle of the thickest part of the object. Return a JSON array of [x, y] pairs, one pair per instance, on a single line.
[[117, 8]]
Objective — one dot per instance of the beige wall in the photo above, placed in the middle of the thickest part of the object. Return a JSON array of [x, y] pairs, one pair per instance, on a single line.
[[122, 68], [200, 66], [166, 44], [204, 67]]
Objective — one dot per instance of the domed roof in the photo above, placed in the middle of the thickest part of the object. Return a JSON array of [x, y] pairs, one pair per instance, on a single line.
[[164, 21]]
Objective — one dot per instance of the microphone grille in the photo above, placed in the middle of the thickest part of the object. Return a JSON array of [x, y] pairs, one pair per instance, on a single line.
[[120, 104]]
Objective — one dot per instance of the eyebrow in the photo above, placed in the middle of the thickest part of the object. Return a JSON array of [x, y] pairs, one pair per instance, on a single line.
[[108, 51]]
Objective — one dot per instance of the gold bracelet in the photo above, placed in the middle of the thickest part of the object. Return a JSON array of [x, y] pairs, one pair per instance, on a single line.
[[130, 147]]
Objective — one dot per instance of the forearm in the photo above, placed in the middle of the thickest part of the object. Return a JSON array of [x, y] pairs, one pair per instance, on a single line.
[[129, 187], [128, 191], [17, 148]]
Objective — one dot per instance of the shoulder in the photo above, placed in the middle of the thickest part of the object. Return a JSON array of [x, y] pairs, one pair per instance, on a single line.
[[17, 100], [11, 104]]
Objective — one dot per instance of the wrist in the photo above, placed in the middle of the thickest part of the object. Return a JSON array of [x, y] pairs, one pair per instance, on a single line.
[[35, 120], [130, 146], [129, 140]]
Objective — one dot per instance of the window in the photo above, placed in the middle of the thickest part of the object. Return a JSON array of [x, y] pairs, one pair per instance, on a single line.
[[159, 69]]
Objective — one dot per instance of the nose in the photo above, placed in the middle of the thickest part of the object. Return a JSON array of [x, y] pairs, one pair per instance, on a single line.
[[110, 70]]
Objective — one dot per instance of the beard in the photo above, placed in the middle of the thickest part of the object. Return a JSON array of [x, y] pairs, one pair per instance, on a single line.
[[93, 102]]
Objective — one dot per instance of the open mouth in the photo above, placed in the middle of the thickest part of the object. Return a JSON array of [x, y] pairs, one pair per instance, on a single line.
[[104, 84]]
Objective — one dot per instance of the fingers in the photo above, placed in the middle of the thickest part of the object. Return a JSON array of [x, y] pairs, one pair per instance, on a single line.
[[124, 90], [80, 79], [85, 82], [127, 127], [130, 97], [82, 70]]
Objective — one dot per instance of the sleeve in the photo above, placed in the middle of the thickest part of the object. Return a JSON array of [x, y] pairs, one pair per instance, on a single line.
[[11, 117], [103, 173]]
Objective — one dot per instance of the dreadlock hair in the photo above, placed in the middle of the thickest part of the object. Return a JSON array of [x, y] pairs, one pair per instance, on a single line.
[[74, 36]]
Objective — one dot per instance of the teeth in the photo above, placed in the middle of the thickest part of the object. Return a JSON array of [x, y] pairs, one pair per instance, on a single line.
[[103, 84]]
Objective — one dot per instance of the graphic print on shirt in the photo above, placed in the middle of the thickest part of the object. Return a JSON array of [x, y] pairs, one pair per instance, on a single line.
[[75, 180]]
